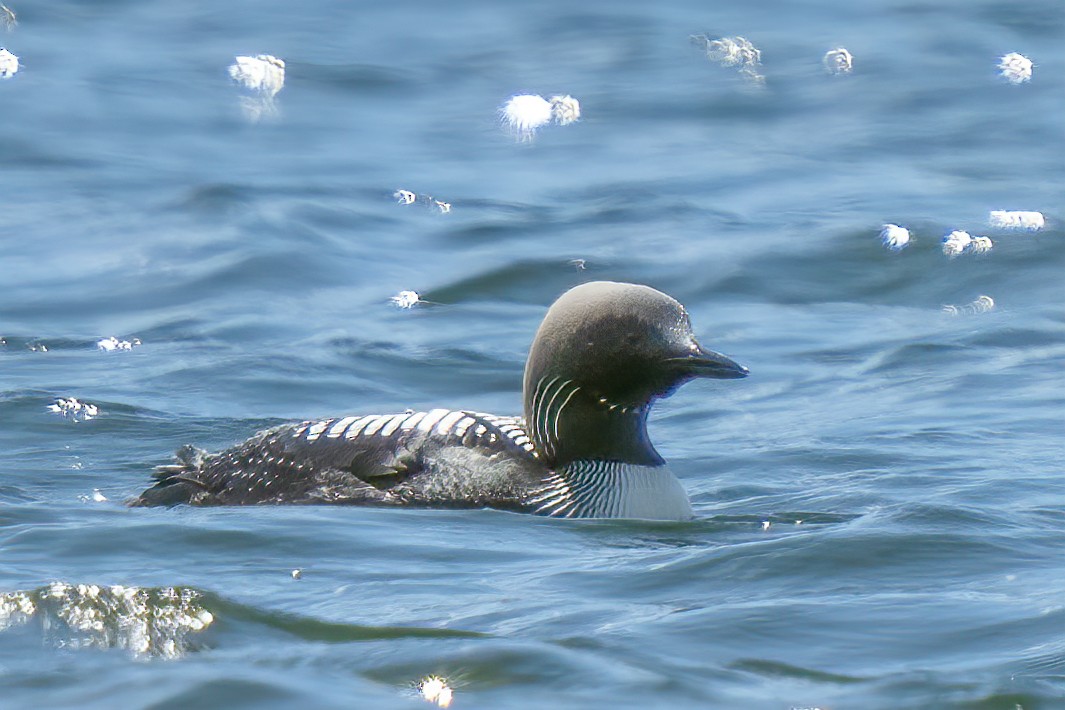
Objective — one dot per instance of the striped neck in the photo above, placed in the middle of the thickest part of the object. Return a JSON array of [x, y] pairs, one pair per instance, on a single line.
[[610, 489], [569, 423]]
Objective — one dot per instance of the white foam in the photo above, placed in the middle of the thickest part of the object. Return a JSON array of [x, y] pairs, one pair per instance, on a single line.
[[112, 343], [980, 245], [262, 74], [73, 409], [1015, 68], [956, 242], [734, 52], [525, 114], [435, 689], [407, 197], [1003, 219], [565, 109], [894, 237], [145, 621], [8, 20], [8, 64], [838, 61], [261, 77], [406, 299], [982, 304]]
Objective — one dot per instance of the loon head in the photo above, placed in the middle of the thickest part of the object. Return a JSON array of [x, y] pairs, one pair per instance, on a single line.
[[604, 352]]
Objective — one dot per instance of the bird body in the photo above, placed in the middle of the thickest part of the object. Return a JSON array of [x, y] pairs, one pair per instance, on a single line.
[[603, 354]]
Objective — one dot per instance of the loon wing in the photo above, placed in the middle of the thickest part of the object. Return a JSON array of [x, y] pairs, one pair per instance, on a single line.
[[376, 459]]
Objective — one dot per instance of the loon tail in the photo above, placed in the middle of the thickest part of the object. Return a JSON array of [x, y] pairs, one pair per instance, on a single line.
[[176, 483]]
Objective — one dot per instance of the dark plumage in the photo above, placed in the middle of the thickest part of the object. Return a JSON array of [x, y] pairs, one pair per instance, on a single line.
[[604, 352]]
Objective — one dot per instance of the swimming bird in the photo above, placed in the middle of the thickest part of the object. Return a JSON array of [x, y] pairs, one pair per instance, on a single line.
[[603, 354]]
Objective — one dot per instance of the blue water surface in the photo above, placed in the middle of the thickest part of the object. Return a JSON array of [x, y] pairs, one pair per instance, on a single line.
[[880, 506]]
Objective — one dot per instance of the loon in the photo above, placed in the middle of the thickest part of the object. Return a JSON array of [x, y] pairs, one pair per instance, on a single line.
[[603, 354]]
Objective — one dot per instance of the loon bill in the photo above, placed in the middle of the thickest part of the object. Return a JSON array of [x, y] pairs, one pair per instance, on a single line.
[[603, 354]]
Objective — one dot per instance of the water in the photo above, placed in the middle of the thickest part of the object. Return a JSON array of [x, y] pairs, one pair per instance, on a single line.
[[920, 451]]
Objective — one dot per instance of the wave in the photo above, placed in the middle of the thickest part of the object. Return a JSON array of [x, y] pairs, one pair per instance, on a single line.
[[169, 622]]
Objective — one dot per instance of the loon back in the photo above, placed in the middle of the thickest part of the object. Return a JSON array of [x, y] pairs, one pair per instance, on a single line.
[[603, 354], [440, 458]]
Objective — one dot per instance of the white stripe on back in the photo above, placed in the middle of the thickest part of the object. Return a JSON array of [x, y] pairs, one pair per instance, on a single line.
[[358, 426], [411, 421], [393, 424], [431, 418], [463, 425], [316, 429], [444, 427], [338, 428], [380, 421]]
